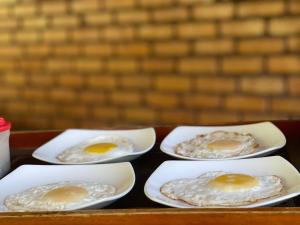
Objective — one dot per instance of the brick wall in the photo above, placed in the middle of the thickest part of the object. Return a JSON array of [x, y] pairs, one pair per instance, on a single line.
[[88, 63]]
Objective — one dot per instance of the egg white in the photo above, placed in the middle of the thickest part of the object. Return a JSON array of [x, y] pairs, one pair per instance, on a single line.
[[198, 192], [77, 154], [198, 147], [32, 199]]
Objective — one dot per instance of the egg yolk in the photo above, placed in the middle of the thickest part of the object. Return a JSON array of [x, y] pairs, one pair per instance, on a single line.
[[234, 182], [65, 194], [223, 145], [100, 148]]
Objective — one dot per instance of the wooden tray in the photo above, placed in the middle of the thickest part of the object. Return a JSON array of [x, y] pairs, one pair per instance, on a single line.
[[136, 208]]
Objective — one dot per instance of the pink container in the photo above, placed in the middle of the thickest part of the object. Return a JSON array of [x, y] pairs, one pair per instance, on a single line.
[[4, 147]]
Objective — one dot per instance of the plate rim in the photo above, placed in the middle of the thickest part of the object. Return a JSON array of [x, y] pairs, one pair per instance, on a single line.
[[254, 205], [128, 165], [151, 130], [255, 154]]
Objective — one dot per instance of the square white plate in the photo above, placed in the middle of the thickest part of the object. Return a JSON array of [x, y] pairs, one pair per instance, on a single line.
[[267, 135], [143, 140], [120, 175], [274, 165]]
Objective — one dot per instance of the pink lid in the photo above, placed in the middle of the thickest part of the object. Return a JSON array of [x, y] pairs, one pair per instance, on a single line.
[[4, 125]]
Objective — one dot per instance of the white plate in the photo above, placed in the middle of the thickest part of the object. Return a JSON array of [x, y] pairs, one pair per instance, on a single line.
[[274, 165], [143, 140], [121, 175], [267, 135]]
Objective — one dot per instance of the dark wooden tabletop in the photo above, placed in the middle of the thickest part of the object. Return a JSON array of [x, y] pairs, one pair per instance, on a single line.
[[136, 204]]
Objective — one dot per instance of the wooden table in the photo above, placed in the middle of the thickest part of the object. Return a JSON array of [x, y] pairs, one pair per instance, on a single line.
[[135, 208]]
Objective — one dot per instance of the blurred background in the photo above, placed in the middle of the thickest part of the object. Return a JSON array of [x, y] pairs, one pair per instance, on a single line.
[[96, 63]]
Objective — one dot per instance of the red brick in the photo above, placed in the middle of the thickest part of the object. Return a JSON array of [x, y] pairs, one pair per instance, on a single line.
[[54, 36], [155, 65], [44, 109], [14, 79], [214, 11], [140, 115], [36, 94], [101, 81], [172, 83], [42, 80], [158, 100], [27, 36], [243, 28], [174, 48], [10, 51], [156, 3], [70, 80], [17, 107], [122, 65], [134, 16], [177, 117], [5, 37], [74, 111], [284, 26], [7, 93], [126, 98], [7, 64], [25, 9], [294, 6], [65, 21], [132, 49], [242, 65], [201, 101], [98, 49], [294, 85], [215, 85], [87, 65], [214, 47], [91, 97], [106, 113], [86, 35], [66, 50], [196, 30], [54, 8], [214, 118], [118, 33], [262, 85], [6, 24], [80, 6], [156, 31], [262, 117], [286, 105], [31, 65], [62, 95], [98, 18], [37, 50], [5, 11], [198, 65], [116, 4], [135, 82], [63, 123], [271, 8], [245, 103], [294, 44], [284, 64], [59, 64], [261, 46], [170, 14], [35, 22]]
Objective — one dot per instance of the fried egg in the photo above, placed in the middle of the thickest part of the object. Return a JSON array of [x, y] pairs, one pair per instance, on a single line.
[[98, 148], [58, 196], [222, 189], [217, 145]]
